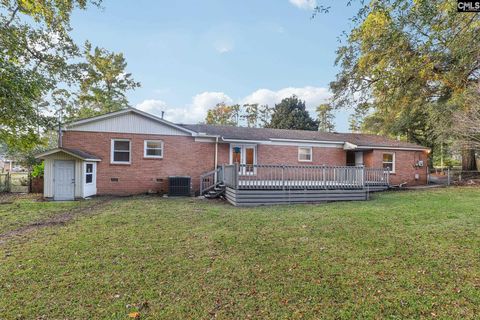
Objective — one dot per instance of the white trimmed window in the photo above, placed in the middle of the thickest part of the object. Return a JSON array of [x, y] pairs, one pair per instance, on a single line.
[[89, 173], [389, 162], [121, 151], [153, 149], [305, 154]]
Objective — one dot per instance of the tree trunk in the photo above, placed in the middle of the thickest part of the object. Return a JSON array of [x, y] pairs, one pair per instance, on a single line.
[[469, 162]]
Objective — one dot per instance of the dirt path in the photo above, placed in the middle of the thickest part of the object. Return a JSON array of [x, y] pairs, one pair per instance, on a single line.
[[59, 219]]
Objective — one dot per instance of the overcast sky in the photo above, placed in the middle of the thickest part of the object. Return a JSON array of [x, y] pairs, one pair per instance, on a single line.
[[190, 55]]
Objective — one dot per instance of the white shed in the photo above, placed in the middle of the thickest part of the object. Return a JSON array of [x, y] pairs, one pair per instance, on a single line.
[[69, 174]]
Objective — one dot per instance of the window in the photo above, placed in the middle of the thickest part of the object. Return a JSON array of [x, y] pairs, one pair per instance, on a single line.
[[153, 149], [389, 162], [120, 151], [305, 154], [89, 173]]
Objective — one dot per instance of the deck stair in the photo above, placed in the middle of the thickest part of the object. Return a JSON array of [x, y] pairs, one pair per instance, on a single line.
[[216, 192]]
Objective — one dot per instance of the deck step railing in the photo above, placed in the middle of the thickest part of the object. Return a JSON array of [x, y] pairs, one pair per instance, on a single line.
[[210, 180]]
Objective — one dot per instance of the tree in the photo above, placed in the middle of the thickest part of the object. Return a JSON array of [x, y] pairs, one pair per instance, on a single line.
[[291, 113], [103, 84], [467, 128], [409, 58], [36, 54], [325, 118], [356, 120], [265, 115], [251, 115], [222, 114]]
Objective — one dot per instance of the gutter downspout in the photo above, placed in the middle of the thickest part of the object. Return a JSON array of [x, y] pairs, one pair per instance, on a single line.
[[216, 158]]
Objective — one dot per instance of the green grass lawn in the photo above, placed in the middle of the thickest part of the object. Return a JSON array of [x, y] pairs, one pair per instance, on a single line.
[[400, 255], [26, 209]]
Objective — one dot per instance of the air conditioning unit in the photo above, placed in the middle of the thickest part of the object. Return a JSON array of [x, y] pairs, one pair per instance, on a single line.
[[179, 186]]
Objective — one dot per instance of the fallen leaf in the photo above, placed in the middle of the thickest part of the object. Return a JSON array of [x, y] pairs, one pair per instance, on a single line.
[[134, 315]]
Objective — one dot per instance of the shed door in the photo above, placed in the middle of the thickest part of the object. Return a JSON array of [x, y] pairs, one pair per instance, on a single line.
[[64, 180]]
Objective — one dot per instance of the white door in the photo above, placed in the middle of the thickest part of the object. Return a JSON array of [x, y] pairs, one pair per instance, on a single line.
[[90, 172], [64, 180]]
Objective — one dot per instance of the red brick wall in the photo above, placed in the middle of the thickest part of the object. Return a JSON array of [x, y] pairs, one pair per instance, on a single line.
[[182, 156], [405, 168], [267, 154]]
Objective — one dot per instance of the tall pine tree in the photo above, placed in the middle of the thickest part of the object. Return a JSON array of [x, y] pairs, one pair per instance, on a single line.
[[291, 113]]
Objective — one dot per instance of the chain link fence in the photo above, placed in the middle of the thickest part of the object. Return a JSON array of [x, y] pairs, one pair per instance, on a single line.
[[454, 176]]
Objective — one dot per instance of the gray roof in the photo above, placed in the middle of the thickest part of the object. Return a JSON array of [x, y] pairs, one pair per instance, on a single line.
[[244, 133], [81, 154], [74, 152]]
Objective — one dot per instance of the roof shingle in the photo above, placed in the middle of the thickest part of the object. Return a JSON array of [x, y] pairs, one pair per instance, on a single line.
[[244, 133]]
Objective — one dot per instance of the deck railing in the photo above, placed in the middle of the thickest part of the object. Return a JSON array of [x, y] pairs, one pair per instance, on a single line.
[[303, 177], [377, 177], [281, 177], [210, 180]]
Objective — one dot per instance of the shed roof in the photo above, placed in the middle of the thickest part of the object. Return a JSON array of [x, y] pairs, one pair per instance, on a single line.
[[77, 153]]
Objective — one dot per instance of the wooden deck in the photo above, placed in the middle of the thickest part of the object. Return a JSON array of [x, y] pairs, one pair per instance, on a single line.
[[279, 184], [242, 197]]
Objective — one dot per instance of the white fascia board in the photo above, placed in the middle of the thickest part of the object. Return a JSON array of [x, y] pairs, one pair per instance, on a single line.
[[394, 148], [295, 143], [308, 141], [209, 139], [245, 141]]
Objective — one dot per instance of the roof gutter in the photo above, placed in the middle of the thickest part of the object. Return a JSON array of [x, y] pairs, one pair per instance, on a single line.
[[393, 148], [308, 141]]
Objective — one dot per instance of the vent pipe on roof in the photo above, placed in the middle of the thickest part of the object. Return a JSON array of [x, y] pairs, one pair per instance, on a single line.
[[163, 113]]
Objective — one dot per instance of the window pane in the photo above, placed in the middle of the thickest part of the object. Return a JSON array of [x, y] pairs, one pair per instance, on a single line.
[[387, 157], [89, 178], [121, 156], [388, 166], [304, 154], [154, 152], [154, 144], [305, 157], [89, 168], [236, 156], [121, 145], [249, 156]]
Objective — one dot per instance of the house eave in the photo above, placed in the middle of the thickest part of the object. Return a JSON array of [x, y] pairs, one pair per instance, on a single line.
[[392, 148], [60, 150]]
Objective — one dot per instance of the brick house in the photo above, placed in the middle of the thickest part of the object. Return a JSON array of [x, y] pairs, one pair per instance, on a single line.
[[132, 152]]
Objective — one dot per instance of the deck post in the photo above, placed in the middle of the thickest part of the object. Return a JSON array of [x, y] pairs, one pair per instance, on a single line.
[[324, 178], [363, 176], [235, 176], [283, 177]]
